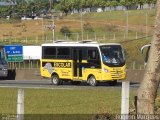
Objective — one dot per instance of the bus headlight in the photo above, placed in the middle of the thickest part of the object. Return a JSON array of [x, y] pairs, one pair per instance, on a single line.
[[105, 70]]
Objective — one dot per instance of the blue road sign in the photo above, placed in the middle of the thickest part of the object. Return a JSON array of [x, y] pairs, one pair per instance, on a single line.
[[14, 52]]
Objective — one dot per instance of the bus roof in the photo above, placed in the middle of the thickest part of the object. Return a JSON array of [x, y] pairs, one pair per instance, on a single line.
[[78, 44]]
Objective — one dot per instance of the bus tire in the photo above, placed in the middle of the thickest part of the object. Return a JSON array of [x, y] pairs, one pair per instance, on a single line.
[[55, 80], [113, 83], [92, 81]]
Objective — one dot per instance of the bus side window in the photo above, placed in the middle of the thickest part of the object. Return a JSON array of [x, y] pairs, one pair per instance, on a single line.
[[84, 54], [94, 58], [63, 53], [91, 54]]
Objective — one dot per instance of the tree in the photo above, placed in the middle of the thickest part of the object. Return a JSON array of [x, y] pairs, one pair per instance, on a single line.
[[114, 3], [141, 3], [149, 3], [128, 3], [77, 4], [102, 4], [154, 2], [65, 6], [90, 3], [148, 88]]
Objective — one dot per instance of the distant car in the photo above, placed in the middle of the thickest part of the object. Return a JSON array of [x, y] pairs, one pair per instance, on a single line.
[[99, 10], [25, 18], [37, 18], [7, 17]]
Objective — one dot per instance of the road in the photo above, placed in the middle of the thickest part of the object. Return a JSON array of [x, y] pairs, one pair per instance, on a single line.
[[46, 84]]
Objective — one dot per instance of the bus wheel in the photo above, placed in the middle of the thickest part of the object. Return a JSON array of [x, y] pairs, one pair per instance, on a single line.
[[55, 80], [75, 82], [92, 81], [113, 83]]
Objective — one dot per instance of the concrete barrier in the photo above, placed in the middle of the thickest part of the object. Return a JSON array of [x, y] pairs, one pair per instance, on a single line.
[[28, 74]]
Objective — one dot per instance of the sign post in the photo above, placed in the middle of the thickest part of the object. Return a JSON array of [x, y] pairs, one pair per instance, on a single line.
[[20, 105], [125, 100]]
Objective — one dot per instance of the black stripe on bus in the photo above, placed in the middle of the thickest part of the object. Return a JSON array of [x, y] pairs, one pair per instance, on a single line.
[[58, 64], [68, 65]]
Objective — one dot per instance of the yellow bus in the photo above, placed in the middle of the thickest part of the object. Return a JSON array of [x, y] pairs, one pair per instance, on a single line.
[[83, 61]]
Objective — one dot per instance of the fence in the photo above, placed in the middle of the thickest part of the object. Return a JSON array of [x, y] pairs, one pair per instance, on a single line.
[[26, 64], [101, 38]]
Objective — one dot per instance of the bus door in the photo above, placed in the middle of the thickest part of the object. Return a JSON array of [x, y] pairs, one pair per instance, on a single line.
[[77, 63]]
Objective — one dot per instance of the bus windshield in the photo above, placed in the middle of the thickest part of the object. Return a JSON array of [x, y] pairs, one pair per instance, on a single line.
[[112, 55]]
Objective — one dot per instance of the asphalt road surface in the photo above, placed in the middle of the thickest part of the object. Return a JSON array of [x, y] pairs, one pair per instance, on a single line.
[[46, 84]]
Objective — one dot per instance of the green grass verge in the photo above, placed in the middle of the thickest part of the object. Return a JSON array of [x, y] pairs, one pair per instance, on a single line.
[[67, 104], [69, 101]]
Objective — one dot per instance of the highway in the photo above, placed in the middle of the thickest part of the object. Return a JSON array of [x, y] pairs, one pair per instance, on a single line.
[[46, 84]]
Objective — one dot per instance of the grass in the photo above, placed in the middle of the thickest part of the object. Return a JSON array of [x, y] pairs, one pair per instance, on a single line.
[[119, 17], [8, 100], [67, 103], [74, 101]]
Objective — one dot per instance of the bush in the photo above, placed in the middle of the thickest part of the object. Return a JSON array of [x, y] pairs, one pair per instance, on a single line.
[[65, 31], [87, 27]]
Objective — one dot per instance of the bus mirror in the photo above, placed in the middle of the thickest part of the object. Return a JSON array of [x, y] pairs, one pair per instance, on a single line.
[[147, 52]]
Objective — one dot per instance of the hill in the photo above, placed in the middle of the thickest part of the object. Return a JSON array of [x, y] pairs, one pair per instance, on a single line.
[[132, 29]]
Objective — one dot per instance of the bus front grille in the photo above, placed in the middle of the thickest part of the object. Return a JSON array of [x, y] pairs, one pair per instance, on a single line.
[[116, 74]]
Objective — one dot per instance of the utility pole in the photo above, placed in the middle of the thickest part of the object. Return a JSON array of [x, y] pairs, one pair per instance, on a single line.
[[146, 25], [42, 29], [20, 105], [127, 25], [50, 4], [53, 27], [125, 100], [81, 25]]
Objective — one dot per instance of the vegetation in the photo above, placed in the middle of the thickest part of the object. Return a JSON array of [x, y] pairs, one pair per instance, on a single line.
[[32, 7], [65, 31]]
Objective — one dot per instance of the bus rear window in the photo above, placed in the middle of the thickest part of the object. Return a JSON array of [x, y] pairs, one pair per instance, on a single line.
[[49, 52], [55, 53]]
